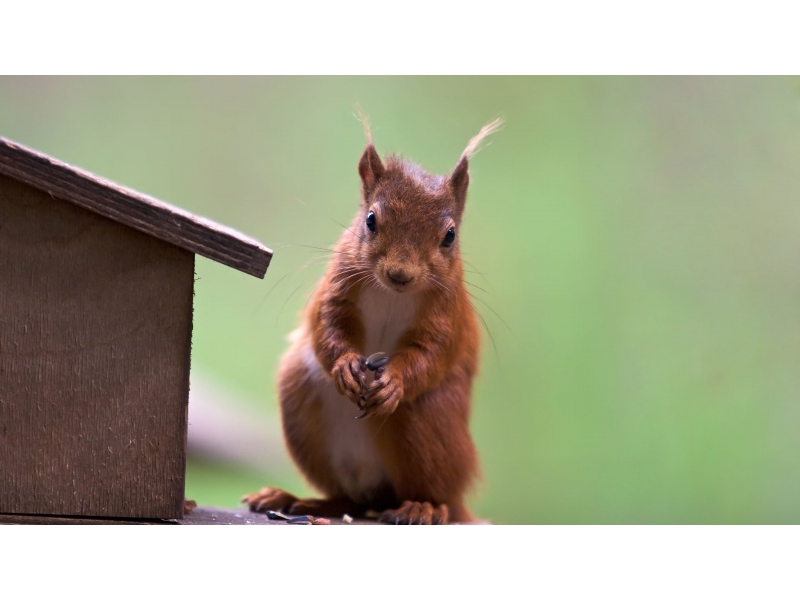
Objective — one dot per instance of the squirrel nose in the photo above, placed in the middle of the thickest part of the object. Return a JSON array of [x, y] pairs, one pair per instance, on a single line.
[[399, 276]]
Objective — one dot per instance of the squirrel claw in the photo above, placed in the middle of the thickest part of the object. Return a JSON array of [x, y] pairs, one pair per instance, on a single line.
[[349, 377]]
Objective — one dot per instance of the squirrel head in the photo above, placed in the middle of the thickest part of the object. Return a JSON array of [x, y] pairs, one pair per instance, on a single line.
[[407, 228]]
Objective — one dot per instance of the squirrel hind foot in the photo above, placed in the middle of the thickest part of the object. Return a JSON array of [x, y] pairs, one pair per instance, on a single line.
[[417, 513], [274, 499], [269, 499]]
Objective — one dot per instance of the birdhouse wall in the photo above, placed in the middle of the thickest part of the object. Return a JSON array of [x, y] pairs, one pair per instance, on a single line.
[[95, 340]]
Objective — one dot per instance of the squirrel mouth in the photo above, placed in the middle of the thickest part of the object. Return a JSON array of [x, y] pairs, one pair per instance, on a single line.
[[399, 284], [395, 286], [400, 289]]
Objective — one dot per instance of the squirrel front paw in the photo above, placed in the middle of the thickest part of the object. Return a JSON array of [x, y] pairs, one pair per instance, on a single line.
[[384, 394], [349, 377]]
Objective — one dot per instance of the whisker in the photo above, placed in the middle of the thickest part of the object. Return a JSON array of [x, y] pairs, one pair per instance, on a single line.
[[339, 271], [349, 270], [308, 264], [373, 281], [260, 304], [346, 276], [362, 277], [494, 311], [285, 302], [433, 279], [491, 337], [474, 269], [327, 250], [475, 286], [351, 265], [354, 284], [363, 239]]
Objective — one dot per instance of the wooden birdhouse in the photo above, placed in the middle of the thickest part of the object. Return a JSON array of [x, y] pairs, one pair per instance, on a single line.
[[96, 287]]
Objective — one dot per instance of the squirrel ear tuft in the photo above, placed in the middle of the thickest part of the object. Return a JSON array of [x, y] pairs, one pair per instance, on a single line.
[[459, 181], [370, 168]]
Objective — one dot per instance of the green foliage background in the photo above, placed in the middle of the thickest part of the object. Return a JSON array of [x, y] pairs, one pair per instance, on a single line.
[[636, 238]]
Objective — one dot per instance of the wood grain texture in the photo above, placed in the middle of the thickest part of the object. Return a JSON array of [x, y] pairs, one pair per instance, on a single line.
[[147, 214], [53, 520], [95, 340]]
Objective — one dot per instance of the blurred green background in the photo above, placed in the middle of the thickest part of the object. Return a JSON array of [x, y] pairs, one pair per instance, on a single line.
[[635, 238]]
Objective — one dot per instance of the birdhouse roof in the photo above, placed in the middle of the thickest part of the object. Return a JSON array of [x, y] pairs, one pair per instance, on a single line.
[[131, 208]]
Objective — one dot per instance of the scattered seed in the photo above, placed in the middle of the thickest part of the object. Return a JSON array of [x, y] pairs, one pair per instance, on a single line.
[[303, 520], [276, 516]]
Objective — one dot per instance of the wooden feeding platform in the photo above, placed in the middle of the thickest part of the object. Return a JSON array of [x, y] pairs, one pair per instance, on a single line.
[[202, 515]]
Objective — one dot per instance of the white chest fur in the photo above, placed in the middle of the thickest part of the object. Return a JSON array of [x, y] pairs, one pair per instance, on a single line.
[[386, 315], [351, 449], [352, 455]]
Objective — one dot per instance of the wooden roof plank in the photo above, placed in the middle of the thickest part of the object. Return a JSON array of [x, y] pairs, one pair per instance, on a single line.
[[139, 211]]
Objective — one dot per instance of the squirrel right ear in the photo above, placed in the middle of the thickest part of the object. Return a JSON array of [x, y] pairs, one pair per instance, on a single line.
[[370, 168], [459, 180]]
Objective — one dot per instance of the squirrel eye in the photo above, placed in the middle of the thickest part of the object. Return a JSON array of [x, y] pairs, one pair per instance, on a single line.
[[449, 238], [371, 225]]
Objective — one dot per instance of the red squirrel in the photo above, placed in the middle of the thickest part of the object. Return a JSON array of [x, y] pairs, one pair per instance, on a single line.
[[394, 285]]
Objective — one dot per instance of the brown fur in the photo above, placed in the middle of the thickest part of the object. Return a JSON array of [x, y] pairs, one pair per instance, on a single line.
[[418, 405]]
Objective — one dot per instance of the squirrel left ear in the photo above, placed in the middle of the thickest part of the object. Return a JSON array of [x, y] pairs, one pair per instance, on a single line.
[[459, 181], [370, 168]]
